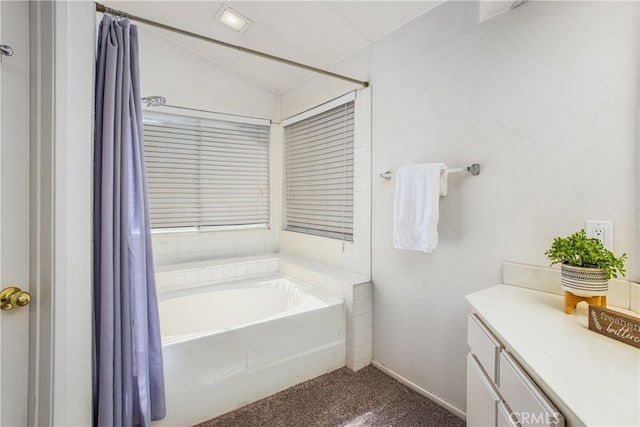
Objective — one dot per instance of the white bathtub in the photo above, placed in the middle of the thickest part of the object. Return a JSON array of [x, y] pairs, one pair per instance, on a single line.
[[225, 345]]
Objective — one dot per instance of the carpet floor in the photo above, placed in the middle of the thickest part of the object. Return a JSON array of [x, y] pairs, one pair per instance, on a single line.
[[342, 398]]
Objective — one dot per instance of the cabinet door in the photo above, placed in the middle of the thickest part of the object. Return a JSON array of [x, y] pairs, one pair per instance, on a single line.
[[506, 417], [484, 346], [482, 396], [529, 405]]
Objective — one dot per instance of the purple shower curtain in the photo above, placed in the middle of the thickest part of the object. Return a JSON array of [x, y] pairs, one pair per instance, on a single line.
[[128, 375]]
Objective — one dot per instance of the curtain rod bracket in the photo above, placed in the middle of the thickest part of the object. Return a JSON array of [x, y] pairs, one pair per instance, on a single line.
[[104, 9]]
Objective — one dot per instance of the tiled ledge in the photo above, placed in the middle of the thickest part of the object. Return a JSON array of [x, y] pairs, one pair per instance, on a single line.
[[622, 293], [356, 291], [185, 275]]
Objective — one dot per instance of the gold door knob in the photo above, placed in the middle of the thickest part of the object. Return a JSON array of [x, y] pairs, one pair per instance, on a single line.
[[12, 297]]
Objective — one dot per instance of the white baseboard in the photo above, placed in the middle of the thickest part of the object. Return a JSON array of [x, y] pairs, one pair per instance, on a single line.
[[446, 405]]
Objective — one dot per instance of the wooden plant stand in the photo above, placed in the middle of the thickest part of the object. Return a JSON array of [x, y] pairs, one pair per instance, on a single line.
[[571, 301]]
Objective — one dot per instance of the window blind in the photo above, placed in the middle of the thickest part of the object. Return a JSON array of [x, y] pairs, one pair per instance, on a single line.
[[206, 173], [319, 173]]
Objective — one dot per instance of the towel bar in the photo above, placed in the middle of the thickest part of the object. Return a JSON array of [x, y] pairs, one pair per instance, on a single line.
[[474, 169]]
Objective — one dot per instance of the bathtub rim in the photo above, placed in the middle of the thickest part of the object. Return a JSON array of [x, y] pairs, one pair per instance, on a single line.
[[328, 299]]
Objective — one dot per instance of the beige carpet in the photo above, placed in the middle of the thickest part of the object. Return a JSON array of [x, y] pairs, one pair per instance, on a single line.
[[342, 398]]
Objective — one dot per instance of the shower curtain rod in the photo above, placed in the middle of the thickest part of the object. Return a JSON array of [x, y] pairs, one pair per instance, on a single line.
[[104, 9]]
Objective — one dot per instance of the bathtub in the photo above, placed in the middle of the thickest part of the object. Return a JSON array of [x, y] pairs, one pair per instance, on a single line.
[[229, 344]]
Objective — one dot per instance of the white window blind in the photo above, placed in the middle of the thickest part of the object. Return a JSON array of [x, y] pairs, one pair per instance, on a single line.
[[319, 173], [206, 173]]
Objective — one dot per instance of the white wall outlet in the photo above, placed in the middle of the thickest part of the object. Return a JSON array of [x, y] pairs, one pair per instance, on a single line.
[[601, 230]]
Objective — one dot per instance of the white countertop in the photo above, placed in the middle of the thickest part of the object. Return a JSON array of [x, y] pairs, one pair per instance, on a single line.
[[592, 379]]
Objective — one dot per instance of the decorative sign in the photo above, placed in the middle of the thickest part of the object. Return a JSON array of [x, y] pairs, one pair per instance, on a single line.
[[615, 325]]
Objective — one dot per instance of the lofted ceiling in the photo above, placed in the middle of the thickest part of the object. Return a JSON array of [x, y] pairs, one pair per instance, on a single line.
[[316, 33]]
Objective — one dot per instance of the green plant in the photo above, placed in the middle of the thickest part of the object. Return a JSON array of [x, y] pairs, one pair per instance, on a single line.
[[582, 251]]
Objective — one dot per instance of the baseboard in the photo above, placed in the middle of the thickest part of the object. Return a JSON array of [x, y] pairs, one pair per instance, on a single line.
[[446, 405]]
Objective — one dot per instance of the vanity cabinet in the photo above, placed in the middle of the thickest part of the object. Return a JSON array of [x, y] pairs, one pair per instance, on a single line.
[[545, 360], [499, 391]]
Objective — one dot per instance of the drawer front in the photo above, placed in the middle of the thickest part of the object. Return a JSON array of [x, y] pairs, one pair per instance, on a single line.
[[528, 404], [483, 345], [505, 417], [482, 396]]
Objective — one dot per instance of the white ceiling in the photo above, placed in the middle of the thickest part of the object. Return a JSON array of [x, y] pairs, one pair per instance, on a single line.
[[316, 33]]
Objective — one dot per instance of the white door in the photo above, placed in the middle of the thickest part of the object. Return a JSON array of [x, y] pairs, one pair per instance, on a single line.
[[14, 209]]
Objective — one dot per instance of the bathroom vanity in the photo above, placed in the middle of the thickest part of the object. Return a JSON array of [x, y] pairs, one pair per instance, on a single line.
[[532, 364]]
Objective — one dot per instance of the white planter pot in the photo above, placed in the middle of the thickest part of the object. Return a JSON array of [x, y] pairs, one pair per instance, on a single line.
[[583, 281]]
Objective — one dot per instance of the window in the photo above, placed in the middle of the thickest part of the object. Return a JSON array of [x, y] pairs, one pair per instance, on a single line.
[[319, 170], [205, 172]]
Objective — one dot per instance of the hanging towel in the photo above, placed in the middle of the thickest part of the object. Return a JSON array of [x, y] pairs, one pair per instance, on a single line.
[[416, 207]]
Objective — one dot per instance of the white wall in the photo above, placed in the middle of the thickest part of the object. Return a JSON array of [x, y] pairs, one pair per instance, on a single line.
[[187, 79], [544, 97], [191, 81]]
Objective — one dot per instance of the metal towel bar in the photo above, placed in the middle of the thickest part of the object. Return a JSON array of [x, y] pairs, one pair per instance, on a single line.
[[474, 169]]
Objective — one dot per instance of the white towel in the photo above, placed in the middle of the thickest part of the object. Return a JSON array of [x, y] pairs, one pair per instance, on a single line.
[[416, 207]]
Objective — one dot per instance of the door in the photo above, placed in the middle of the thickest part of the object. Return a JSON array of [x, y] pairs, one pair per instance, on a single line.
[[14, 209]]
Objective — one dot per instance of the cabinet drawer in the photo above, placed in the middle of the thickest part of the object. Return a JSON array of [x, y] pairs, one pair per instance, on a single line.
[[482, 396], [483, 345], [528, 404]]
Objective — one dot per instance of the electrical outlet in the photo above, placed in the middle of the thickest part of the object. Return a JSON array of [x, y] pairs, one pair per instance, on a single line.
[[601, 230]]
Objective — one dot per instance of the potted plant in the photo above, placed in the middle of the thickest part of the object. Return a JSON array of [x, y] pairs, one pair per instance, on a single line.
[[586, 265]]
